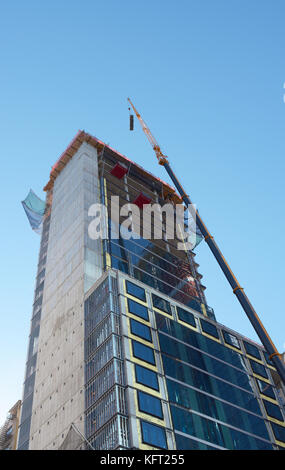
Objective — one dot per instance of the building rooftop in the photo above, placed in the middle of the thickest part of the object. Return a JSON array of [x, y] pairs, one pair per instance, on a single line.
[[74, 145]]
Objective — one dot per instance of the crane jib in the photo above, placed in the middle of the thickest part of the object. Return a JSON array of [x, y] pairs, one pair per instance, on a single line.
[[237, 289]]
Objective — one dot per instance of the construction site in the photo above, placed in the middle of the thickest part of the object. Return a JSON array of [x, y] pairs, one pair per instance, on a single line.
[[124, 351]]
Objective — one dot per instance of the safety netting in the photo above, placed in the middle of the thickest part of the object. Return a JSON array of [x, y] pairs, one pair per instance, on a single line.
[[35, 209], [74, 440]]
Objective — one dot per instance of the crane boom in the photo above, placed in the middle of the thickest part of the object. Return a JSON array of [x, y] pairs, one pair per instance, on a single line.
[[147, 132], [209, 239]]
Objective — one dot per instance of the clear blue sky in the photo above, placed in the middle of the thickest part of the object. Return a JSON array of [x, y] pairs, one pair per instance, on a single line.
[[206, 75]]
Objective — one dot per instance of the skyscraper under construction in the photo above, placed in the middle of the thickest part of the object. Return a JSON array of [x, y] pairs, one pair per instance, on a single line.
[[124, 352]]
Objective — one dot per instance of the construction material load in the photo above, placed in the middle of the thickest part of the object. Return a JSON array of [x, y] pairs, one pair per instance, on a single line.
[[131, 122], [35, 210]]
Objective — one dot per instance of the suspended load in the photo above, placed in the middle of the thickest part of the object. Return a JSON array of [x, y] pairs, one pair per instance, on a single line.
[[131, 122], [35, 209]]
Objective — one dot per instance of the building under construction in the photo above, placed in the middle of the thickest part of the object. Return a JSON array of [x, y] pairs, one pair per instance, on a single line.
[[124, 351]]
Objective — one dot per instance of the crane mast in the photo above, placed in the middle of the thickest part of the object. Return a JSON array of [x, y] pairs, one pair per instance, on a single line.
[[263, 335]]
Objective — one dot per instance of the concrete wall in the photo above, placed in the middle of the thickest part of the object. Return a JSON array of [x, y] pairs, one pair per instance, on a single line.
[[73, 265]]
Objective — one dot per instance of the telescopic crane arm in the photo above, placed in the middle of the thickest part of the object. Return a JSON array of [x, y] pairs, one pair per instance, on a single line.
[[237, 289]]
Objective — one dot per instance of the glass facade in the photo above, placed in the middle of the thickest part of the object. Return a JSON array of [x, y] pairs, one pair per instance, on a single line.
[[215, 391], [157, 262]]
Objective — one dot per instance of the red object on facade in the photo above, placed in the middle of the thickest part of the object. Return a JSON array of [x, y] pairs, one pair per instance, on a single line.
[[119, 170], [141, 199]]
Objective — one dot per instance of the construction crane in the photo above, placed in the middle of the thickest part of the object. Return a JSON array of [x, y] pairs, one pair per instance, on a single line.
[[263, 335]]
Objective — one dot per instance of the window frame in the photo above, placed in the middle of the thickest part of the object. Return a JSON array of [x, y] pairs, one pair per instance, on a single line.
[[156, 399], [142, 421], [270, 404], [262, 392], [228, 343], [127, 282], [205, 322], [245, 343], [178, 308], [133, 321], [144, 383], [143, 307], [143, 346], [159, 308], [252, 361]]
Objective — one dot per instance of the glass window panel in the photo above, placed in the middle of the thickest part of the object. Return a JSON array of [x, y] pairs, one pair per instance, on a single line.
[[231, 339], [118, 250], [209, 328], [213, 432], [185, 443], [140, 351], [140, 330], [200, 341], [209, 384], [161, 303], [258, 369], [279, 432], [273, 410], [149, 404], [266, 355], [266, 389], [119, 264], [153, 435], [138, 309], [252, 350], [135, 290], [204, 362], [146, 377], [192, 399], [185, 316]]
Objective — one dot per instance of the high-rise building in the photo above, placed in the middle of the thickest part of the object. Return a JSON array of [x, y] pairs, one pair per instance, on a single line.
[[124, 349]]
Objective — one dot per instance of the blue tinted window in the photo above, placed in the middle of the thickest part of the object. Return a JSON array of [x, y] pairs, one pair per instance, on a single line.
[[140, 330], [135, 290], [258, 369], [140, 351], [119, 264], [192, 399], [202, 361], [265, 388], [212, 385], [146, 377], [209, 328], [185, 316], [153, 435], [199, 341], [150, 404], [252, 350], [231, 339], [195, 304], [185, 443], [213, 432], [273, 410], [138, 309], [197, 426], [279, 432], [161, 303], [118, 250]]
